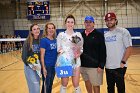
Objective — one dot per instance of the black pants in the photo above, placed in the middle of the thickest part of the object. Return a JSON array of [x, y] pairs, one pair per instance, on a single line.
[[115, 76], [43, 90], [48, 80]]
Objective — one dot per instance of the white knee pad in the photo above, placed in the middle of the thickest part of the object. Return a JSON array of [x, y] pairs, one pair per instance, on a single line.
[[78, 90], [62, 89]]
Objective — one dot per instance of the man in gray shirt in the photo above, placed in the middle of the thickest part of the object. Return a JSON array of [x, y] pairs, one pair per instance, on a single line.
[[118, 45]]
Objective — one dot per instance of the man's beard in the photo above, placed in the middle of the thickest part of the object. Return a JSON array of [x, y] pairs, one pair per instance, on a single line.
[[111, 26]]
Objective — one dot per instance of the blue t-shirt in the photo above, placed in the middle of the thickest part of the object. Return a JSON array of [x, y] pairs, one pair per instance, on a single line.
[[50, 51]]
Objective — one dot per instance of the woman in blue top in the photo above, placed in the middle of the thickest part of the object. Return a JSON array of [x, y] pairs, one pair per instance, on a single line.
[[48, 51]]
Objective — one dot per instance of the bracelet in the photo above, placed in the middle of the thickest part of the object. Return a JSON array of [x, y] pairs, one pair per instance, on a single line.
[[123, 62]]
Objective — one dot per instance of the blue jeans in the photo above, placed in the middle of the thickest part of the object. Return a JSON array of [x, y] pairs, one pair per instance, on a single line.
[[49, 79], [33, 80]]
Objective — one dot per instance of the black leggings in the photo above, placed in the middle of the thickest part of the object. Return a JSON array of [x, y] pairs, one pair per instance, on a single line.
[[115, 76]]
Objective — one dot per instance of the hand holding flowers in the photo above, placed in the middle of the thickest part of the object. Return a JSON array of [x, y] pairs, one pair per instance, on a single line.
[[76, 46], [34, 63]]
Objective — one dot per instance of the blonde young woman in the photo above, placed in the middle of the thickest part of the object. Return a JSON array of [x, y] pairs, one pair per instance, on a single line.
[[31, 47], [65, 50], [48, 51]]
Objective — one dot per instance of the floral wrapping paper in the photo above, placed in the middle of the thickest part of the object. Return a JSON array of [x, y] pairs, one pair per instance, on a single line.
[[68, 45]]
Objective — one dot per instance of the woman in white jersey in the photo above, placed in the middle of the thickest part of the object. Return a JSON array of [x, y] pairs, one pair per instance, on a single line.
[[65, 44]]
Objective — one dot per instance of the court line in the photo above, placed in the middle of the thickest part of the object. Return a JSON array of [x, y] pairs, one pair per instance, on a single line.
[[133, 69], [8, 65]]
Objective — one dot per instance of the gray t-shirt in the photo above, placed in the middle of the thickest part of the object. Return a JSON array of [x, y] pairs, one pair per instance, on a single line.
[[26, 51], [116, 43]]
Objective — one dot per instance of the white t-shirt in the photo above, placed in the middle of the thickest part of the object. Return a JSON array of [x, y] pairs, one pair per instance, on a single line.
[[116, 43]]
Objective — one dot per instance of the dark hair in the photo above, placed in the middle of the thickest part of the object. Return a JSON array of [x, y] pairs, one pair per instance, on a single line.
[[116, 22], [30, 37], [70, 16]]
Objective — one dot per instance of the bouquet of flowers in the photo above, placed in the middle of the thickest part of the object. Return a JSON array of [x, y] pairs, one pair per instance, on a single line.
[[33, 61], [76, 45]]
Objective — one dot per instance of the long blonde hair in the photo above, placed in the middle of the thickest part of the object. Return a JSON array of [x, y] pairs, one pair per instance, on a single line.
[[30, 37], [45, 32]]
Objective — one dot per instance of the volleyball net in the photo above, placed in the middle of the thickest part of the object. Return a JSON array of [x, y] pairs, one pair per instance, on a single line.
[[23, 39], [11, 44], [10, 50]]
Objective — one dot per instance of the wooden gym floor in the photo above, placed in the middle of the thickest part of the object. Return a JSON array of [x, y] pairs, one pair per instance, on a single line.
[[12, 79]]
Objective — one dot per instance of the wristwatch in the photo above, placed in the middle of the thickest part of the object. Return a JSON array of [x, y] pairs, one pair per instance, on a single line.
[[123, 62]]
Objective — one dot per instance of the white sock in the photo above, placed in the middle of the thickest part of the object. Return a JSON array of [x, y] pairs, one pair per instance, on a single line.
[[62, 89], [78, 90]]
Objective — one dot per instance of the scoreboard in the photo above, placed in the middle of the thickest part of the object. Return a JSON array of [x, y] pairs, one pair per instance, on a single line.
[[38, 9]]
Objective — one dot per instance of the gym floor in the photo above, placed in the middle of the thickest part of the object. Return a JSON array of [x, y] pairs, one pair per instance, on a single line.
[[12, 79]]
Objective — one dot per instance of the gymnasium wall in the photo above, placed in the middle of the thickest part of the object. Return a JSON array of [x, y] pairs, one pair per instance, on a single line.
[[13, 15]]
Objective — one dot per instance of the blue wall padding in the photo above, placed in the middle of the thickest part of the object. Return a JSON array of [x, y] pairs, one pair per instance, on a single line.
[[133, 32]]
